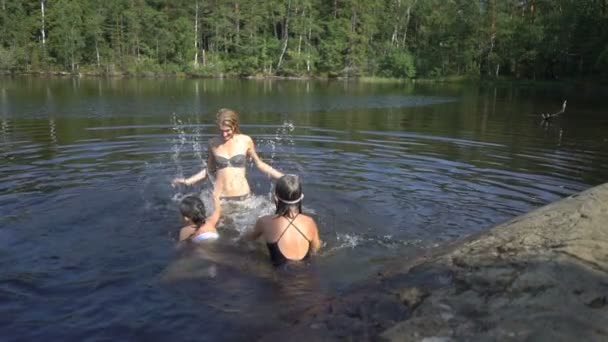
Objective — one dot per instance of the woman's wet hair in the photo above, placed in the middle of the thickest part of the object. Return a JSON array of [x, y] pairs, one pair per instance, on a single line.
[[193, 208], [230, 118], [288, 192]]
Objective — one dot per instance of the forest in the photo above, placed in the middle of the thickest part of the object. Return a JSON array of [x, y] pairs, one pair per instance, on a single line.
[[515, 39]]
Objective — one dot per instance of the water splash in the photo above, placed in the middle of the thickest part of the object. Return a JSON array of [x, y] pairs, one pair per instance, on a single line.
[[184, 139], [283, 133], [197, 142], [282, 143], [282, 137], [237, 216], [178, 143], [350, 241], [241, 216]]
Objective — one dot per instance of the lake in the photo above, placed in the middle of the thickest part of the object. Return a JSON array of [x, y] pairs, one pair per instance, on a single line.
[[89, 220]]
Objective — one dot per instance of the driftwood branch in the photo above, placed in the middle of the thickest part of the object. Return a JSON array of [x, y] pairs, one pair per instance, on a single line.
[[549, 116]]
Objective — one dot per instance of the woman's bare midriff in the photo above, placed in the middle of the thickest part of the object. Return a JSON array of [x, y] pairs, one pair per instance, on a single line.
[[233, 182]]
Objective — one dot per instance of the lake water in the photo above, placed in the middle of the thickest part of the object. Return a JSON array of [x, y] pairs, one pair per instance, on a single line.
[[88, 220]]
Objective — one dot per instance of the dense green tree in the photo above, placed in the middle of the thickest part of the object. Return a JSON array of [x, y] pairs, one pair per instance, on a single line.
[[394, 38], [67, 32]]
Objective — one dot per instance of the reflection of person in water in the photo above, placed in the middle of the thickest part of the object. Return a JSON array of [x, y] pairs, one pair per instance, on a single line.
[[227, 158], [289, 234], [199, 228]]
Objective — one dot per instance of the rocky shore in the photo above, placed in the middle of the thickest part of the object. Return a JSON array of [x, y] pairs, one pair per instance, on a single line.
[[542, 276]]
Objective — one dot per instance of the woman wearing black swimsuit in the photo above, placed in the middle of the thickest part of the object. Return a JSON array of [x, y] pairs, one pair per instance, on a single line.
[[227, 159], [289, 234]]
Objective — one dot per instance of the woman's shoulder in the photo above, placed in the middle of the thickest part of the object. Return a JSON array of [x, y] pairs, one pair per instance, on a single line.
[[306, 216], [308, 220]]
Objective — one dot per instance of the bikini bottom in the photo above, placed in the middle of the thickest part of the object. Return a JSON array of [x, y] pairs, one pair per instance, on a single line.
[[235, 198]]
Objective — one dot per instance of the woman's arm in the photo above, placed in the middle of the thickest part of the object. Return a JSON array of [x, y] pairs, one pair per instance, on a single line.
[[192, 179], [315, 243], [202, 174], [259, 163], [217, 209], [212, 221], [210, 158]]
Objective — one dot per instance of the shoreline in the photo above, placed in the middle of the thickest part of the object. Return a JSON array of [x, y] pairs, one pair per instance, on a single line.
[[362, 79]]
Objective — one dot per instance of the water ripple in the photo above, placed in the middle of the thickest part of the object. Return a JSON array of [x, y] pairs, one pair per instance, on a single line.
[[89, 221]]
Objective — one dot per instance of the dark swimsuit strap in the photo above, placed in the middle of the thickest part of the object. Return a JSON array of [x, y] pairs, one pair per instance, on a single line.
[[289, 225]]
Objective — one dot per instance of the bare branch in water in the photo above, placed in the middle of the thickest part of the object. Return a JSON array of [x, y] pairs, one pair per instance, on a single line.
[[549, 116]]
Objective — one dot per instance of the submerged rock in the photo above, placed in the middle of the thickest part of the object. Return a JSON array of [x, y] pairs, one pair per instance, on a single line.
[[542, 276]]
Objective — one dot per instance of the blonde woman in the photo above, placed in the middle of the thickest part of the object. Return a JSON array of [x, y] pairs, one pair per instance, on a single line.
[[227, 159]]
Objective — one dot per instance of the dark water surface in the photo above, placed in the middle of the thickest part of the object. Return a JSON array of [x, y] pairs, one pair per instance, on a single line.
[[88, 220]]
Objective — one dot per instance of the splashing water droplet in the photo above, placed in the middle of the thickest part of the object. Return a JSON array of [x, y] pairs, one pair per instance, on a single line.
[[178, 143]]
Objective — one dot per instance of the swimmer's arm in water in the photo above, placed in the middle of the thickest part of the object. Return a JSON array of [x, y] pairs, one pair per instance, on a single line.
[[211, 221], [257, 230], [316, 242], [217, 207], [259, 163]]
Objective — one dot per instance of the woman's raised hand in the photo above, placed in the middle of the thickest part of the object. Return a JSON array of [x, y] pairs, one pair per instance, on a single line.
[[180, 180], [189, 181]]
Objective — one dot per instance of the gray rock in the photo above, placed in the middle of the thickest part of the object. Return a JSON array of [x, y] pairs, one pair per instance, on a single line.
[[539, 277]]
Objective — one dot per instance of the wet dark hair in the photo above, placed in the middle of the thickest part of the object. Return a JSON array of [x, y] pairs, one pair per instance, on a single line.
[[194, 209], [288, 189]]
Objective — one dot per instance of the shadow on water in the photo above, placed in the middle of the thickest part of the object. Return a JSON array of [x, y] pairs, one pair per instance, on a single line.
[[241, 290]]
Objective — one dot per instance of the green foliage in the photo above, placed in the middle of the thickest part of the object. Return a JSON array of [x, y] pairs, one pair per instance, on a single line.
[[334, 47], [398, 64], [389, 38], [8, 60], [66, 22]]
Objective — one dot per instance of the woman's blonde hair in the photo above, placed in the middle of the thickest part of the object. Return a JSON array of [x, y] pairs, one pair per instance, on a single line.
[[230, 118]]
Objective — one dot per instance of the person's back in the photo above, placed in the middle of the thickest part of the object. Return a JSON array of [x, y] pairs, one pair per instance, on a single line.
[[290, 238], [289, 234]]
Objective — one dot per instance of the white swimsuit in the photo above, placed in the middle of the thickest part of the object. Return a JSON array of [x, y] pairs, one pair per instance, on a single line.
[[205, 236]]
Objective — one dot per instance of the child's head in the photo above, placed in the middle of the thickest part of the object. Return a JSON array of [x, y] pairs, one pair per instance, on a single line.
[[193, 209], [288, 194]]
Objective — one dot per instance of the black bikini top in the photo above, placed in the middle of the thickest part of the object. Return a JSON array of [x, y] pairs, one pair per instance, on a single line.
[[276, 256], [238, 160]]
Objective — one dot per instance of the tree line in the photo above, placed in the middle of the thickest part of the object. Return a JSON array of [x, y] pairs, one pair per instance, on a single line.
[[531, 39]]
